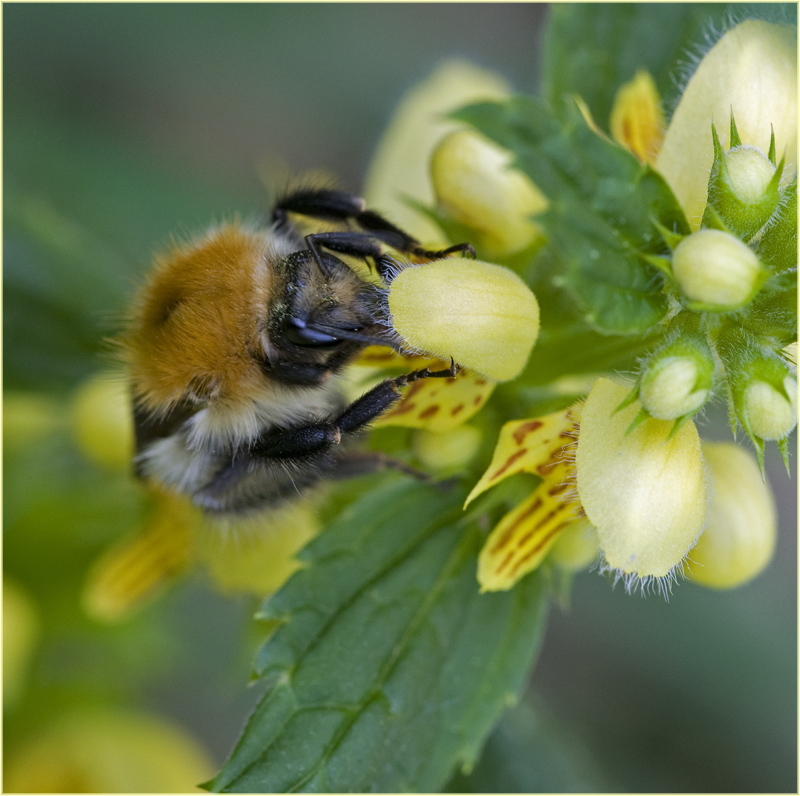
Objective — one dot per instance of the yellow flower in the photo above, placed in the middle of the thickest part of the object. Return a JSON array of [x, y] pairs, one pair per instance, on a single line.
[[751, 72], [475, 184], [399, 168], [482, 315], [643, 491], [247, 555], [104, 751], [637, 121], [739, 539]]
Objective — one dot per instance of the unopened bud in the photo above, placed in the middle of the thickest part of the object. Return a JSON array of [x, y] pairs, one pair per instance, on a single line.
[[101, 421], [716, 271], [743, 189], [476, 184], [771, 412], [763, 387], [446, 451], [673, 387], [480, 314], [740, 534], [637, 121], [749, 171], [576, 547]]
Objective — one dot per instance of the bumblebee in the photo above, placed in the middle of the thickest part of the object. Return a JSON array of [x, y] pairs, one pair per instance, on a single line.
[[236, 345]]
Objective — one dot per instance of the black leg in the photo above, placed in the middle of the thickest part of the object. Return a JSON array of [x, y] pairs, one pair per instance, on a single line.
[[319, 437], [340, 206]]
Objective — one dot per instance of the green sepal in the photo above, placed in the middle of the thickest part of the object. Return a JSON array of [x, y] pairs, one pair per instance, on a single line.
[[664, 264], [771, 154], [783, 447], [672, 239], [630, 398], [679, 423], [777, 248], [735, 139], [746, 359], [641, 416], [388, 668], [773, 312], [743, 218]]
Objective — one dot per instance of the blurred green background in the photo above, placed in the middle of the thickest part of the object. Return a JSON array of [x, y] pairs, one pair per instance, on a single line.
[[127, 123]]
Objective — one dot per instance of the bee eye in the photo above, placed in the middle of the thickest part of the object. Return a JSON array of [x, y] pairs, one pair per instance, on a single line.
[[298, 333]]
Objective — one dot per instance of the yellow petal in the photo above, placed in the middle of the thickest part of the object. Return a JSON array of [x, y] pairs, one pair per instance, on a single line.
[[526, 446], [105, 751], [636, 118], [480, 314], [399, 168], [257, 555], [644, 491], [138, 566], [523, 537], [20, 634], [739, 539], [752, 72], [439, 404]]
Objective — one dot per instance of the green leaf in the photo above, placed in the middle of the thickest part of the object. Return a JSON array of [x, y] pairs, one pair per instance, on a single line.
[[591, 49], [389, 668], [603, 209]]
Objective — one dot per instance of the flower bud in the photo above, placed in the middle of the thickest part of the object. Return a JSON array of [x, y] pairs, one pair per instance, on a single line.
[[637, 121], [752, 72], [446, 451], [743, 190], [475, 183], [677, 379], [101, 421], [739, 539], [644, 490], [482, 315], [749, 173], [576, 547], [763, 388], [771, 411], [673, 387], [399, 169], [716, 271]]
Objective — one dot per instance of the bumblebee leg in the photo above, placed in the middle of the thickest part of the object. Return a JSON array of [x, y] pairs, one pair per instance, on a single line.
[[357, 244], [340, 206], [318, 438]]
